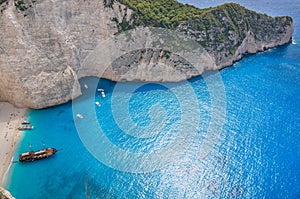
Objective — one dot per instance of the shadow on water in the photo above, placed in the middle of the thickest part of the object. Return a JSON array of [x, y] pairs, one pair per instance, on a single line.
[[76, 185]]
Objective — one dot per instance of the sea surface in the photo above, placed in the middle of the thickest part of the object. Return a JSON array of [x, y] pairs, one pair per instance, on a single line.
[[236, 133]]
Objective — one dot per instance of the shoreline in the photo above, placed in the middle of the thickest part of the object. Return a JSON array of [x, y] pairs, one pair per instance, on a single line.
[[10, 119]]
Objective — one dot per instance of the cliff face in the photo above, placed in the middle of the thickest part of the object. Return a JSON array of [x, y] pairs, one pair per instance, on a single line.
[[42, 46], [4, 194], [226, 32], [46, 46]]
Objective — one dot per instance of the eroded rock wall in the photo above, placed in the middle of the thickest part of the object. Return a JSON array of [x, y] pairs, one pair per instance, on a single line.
[[46, 46]]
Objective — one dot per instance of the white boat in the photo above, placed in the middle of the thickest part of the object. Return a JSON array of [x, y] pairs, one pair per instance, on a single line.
[[86, 86], [79, 116], [98, 104], [25, 127], [25, 122], [100, 90]]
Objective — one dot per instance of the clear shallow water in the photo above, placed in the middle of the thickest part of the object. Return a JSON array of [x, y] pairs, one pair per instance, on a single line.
[[255, 156]]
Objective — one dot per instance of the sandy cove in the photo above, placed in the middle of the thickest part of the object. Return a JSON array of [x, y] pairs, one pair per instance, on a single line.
[[10, 120]]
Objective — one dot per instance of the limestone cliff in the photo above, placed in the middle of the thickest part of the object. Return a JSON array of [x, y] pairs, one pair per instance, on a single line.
[[4, 194], [226, 32], [46, 46]]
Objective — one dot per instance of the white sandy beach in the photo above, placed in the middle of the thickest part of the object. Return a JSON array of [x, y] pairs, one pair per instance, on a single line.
[[10, 120]]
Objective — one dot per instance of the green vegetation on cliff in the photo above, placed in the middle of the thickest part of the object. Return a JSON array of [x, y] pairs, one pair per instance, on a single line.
[[170, 13], [224, 26], [162, 13], [2, 1], [22, 5], [2, 5]]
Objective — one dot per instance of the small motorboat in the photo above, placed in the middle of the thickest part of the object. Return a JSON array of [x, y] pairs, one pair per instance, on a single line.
[[25, 127], [98, 104], [25, 122], [79, 116]]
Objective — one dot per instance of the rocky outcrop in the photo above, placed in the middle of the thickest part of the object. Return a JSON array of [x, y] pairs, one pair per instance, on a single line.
[[47, 46], [227, 31], [4, 194], [235, 31], [251, 45]]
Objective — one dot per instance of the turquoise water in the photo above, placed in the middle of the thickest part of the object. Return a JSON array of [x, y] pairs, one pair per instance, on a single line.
[[255, 153]]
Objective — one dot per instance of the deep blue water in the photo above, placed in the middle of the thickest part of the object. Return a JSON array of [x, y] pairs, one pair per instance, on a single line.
[[240, 139]]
